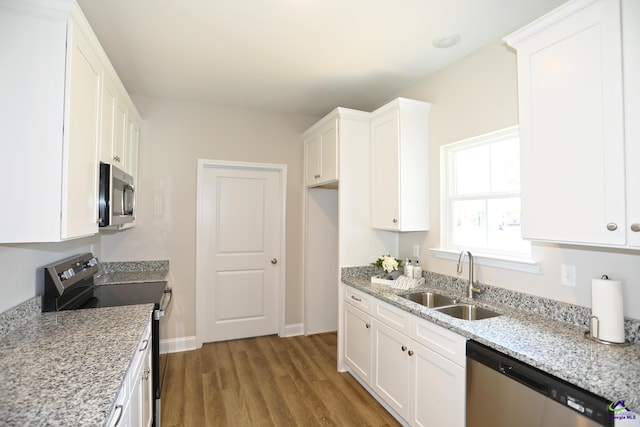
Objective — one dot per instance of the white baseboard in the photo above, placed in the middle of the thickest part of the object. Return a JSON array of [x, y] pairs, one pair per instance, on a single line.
[[174, 345], [293, 330]]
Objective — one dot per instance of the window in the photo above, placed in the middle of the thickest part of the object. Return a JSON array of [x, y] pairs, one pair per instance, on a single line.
[[481, 195]]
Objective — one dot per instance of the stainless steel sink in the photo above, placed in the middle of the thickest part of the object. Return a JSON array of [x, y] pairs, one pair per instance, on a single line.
[[429, 299], [467, 312]]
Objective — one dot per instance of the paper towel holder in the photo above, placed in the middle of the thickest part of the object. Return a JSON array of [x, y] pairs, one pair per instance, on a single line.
[[594, 337]]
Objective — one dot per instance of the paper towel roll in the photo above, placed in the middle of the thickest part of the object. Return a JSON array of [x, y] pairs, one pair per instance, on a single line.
[[607, 306]]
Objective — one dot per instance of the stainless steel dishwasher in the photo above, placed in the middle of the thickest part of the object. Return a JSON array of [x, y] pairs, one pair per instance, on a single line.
[[504, 392]]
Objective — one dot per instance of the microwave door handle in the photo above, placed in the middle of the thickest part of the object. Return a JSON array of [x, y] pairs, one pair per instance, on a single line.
[[126, 189]]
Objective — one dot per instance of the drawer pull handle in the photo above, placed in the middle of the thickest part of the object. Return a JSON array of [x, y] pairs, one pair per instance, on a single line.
[[145, 344], [120, 409], [356, 298]]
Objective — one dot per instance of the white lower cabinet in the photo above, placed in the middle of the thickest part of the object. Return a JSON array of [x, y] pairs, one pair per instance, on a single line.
[[437, 387], [134, 404], [417, 368], [358, 342], [392, 367]]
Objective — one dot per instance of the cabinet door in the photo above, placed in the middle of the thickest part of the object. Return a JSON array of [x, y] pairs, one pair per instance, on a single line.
[[312, 150], [79, 166], [385, 177], [321, 154], [329, 152], [571, 125], [120, 134], [358, 342], [146, 392], [631, 63], [107, 120], [391, 367], [132, 154], [437, 390]]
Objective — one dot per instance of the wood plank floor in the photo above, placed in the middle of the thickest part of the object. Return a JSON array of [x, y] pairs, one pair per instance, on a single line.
[[266, 381]]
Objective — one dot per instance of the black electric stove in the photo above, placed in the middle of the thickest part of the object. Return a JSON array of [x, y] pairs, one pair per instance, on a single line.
[[69, 285]]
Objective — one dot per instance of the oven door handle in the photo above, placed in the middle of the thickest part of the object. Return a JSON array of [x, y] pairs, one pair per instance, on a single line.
[[163, 307]]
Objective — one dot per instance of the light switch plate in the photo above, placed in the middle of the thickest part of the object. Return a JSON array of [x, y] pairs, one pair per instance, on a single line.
[[568, 275]]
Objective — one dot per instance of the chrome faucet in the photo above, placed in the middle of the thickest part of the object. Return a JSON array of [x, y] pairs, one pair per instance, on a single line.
[[471, 285]]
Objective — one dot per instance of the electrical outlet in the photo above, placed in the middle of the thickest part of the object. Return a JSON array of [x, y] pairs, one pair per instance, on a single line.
[[568, 275], [416, 251]]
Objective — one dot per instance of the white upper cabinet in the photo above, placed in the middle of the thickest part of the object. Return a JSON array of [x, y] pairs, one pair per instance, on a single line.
[[321, 152], [120, 128], [57, 85], [80, 139], [576, 97], [399, 172]]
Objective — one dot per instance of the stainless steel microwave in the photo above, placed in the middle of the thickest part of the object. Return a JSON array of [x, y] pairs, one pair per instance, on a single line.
[[117, 199]]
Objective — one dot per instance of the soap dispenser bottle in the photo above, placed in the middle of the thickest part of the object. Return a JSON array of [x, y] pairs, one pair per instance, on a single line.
[[408, 268], [417, 271]]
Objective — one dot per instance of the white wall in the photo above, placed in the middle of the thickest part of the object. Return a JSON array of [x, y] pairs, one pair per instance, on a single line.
[[174, 135], [477, 95], [22, 267]]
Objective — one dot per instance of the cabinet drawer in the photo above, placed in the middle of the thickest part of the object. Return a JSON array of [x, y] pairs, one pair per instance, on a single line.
[[359, 299], [394, 317], [440, 340], [138, 358]]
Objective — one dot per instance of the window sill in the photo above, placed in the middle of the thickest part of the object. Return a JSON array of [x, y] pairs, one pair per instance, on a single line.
[[516, 264]]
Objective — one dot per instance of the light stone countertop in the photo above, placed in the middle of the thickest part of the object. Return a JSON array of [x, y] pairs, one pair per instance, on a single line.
[[556, 347], [65, 368]]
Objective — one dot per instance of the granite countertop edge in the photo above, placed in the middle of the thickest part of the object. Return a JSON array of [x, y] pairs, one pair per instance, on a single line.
[[66, 368], [558, 348]]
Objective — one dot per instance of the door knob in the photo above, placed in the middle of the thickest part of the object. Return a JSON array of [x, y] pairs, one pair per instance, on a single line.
[[274, 260]]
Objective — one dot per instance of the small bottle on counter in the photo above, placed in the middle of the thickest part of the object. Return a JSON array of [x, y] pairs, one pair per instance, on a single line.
[[417, 271], [408, 268]]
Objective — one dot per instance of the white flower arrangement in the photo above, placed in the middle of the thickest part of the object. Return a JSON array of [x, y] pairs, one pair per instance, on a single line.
[[387, 263]]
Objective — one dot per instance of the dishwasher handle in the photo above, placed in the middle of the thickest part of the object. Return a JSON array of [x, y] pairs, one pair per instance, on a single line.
[[523, 378]]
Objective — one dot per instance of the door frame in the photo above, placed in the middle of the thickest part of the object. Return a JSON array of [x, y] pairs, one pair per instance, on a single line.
[[201, 308]]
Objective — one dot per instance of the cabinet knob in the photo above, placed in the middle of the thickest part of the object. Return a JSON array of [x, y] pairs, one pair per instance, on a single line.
[[316, 176], [274, 260], [635, 227], [612, 226], [116, 159], [410, 352], [395, 220], [368, 325], [403, 348]]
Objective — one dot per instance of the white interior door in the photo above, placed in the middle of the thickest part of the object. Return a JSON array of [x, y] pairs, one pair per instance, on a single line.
[[239, 250]]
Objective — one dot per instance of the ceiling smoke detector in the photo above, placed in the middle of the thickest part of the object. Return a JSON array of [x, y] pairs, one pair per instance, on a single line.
[[446, 40]]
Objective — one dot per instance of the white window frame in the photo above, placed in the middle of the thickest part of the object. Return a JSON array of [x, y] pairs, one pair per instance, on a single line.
[[521, 261]]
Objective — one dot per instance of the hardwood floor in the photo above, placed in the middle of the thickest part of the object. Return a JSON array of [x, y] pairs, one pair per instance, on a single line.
[[266, 381]]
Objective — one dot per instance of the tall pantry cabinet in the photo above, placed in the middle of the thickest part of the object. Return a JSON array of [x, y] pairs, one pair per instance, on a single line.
[[51, 121], [579, 94]]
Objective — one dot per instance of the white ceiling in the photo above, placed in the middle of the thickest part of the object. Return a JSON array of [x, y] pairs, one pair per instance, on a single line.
[[304, 56]]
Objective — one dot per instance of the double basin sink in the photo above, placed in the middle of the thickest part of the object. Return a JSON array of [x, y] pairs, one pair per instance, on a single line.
[[450, 306]]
